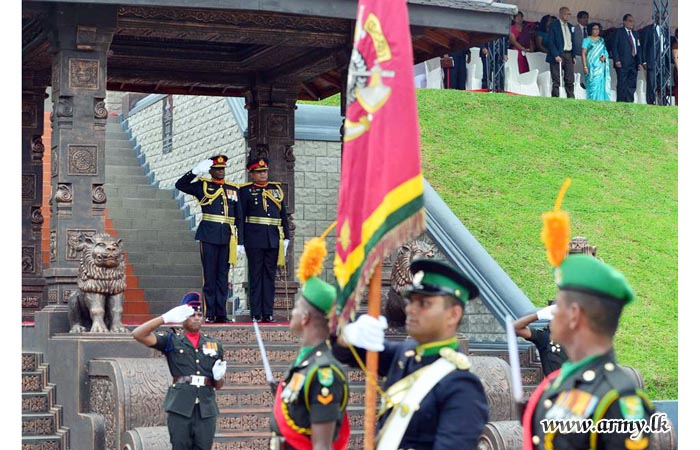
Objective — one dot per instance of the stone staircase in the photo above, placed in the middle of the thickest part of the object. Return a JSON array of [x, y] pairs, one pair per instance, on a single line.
[[162, 256], [42, 420]]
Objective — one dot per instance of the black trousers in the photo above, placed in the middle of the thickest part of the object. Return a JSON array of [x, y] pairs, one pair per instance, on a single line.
[[262, 268], [215, 268], [567, 66], [626, 83], [651, 85], [191, 433]]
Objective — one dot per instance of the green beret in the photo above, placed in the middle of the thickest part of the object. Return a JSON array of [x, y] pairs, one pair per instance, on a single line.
[[319, 293], [431, 277], [587, 274]]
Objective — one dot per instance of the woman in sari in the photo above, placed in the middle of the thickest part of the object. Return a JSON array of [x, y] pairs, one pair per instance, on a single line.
[[521, 40], [595, 65]]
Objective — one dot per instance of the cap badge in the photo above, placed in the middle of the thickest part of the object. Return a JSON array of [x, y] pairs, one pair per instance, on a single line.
[[417, 279]]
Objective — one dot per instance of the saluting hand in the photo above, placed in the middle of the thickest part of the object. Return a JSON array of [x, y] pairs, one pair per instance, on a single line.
[[202, 167], [178, 314]]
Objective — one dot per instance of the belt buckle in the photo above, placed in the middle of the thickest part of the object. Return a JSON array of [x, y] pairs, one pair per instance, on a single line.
[[197, 380]]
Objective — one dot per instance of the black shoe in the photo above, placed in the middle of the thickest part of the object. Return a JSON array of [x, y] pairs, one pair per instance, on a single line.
[[210, 320], [268, 319], [222, 319], [256, 319]]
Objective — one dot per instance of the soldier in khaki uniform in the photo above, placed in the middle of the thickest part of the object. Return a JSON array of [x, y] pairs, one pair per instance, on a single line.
[[197, 367], [591, 385]]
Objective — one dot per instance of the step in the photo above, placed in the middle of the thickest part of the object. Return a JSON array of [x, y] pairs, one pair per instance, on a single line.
[[39, 424], [139, 191], [38, 402], [168, 296], [139, 308], [169, 204], [33, 381], [256, 419], [44, 442], [123, 170], [136, 246], [119, 144], [131, 213], [164, 257], [170, 269], [242, 375], [244, 334], [237, 397], [162, 237], [31, 361], [109, 134], [169, 281], [143, 223], [126, 179]]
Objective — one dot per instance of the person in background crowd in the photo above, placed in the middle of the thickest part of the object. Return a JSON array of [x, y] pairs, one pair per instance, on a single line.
[[521, 40], [596, 66], [456, 76], [542, 38], [560, 56], [674, 52], [580, 32], [625, 52], [652, 44]]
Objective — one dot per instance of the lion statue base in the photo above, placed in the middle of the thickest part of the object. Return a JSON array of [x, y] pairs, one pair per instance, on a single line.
[[98, 303]]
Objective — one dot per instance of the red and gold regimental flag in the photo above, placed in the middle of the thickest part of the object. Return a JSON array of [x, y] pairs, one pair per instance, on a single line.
[[380, 203]]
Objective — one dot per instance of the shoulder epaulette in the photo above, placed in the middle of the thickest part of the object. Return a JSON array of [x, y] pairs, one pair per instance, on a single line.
[[274, 182], [245, 184], [208, 180], [228, 183], [620, 380]]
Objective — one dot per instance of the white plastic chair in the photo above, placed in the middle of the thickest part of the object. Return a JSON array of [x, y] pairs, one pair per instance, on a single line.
[[520, 83], [433, 74]]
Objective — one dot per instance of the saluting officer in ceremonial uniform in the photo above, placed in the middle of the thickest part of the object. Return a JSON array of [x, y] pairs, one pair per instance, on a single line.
[[267, 237], [197, 367], [426, 370], [309, 409], [219, 232], [590, 385]]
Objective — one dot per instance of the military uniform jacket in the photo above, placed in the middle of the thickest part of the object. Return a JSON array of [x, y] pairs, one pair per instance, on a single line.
[[598, 390], [453, 414], [183, 360], [217, 200], [552, 355], [313, 391], [262, 204]]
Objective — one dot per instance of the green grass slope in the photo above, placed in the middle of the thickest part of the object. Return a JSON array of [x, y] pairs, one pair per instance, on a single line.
[[499, 160]]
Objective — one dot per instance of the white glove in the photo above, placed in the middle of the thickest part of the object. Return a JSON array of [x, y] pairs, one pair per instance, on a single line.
[[240, 250], [219, 369], [286, 244], [178, 314], [203, 167], [547, 313], [366, 332]]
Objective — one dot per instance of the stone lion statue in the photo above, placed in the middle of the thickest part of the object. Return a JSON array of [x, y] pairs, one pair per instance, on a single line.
[[401, 279], [98, 304]]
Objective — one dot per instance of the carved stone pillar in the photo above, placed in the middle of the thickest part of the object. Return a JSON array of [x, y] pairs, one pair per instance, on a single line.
[[271, 135], [33, 95], [81, 36]]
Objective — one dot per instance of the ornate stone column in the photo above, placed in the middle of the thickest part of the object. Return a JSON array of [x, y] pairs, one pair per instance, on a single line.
[[81, 36], [33, 95], [271, 135]]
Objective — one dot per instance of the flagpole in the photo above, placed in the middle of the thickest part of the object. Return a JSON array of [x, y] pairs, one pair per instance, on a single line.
[[372, 359]]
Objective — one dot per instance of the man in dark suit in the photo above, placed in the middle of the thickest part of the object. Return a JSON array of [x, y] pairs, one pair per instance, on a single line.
[[653, 37], [625, 52], [267, 237], [219, 232], [456, 76], [580, 31], [560, 56]]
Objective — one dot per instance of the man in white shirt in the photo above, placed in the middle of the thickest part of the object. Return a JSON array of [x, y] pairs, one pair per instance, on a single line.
[[560, 56]]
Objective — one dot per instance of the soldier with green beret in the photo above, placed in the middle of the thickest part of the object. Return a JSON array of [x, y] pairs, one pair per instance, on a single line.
[[591, 385], [310, 404]]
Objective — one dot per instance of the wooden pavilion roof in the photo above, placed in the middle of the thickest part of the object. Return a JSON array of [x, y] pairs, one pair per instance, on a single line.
[[222, 47]]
